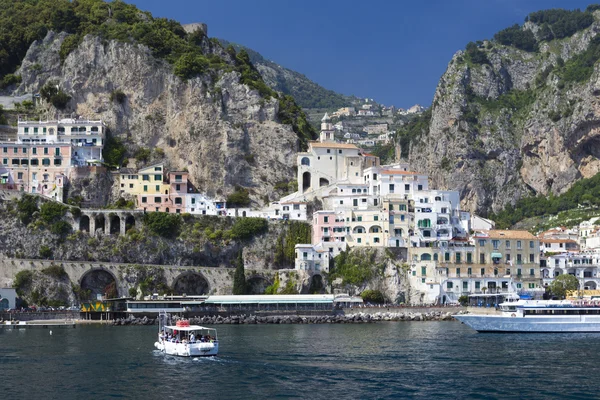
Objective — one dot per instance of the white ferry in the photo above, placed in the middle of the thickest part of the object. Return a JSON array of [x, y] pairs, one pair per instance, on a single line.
[[539, 316], [183, 339]]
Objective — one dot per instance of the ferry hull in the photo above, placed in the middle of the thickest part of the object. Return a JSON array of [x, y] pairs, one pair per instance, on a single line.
[[551, 324], [197, 349]]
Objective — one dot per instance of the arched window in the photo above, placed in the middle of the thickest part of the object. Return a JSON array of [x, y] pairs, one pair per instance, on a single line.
[[305, 161], [425, 257]]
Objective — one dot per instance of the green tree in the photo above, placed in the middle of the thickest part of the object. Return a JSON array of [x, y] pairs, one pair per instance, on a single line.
[[26, 206], [563, 283], [163, 224], [239, 277], [373, 296]]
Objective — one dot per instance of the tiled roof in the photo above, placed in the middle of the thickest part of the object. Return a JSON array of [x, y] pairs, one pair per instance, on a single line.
[[507, 234], [332, 145]]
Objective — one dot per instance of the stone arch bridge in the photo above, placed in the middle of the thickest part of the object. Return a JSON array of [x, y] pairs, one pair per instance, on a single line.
[[108, 222], [180, 279]]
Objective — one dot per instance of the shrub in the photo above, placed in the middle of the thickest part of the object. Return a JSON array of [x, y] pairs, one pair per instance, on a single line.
[[190, 65], [45, 251], [163, 224], [113, 152], [118, 96], [373, 296], [60, 228], [26, 206], [68, 45], [517, 37], [246, 228], [475, 55], [22, 280], [239, 277], [239, 198], [52, 94], [10, 79], [51, 212], [142, 154], [56, 271]]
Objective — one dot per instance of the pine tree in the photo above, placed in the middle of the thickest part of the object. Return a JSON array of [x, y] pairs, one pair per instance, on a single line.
[[239, 278]]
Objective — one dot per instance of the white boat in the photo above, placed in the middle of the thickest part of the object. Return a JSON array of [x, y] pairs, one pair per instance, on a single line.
[[183, 339], [537, 316]]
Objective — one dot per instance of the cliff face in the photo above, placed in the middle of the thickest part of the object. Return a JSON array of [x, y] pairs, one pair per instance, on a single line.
[[221, 131], [515, 125]]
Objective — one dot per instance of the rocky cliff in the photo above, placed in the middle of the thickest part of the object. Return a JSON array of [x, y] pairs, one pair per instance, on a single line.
[[512, 120], [223, 132]]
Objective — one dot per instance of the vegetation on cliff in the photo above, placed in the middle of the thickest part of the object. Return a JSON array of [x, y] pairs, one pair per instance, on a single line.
[[355, 267], [285, 249], [413, 130], [583, 192]]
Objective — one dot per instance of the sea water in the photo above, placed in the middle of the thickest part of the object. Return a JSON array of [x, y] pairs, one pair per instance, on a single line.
[[389, 360]]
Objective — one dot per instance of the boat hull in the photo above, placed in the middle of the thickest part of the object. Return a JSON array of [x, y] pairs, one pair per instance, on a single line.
[[551, 324], [198, 349]]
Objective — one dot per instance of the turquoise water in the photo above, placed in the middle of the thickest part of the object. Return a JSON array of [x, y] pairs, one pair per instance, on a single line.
[[386, 360]]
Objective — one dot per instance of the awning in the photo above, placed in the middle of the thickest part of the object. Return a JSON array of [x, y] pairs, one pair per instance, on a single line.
[[496, 255]]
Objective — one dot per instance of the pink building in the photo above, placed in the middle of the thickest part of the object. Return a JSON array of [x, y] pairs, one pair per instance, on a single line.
[[328, 226]]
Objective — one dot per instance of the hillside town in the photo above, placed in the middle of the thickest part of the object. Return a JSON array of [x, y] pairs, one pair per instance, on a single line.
[[446, 252]]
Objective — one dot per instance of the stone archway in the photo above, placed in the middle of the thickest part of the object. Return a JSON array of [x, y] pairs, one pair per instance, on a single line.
[[100, 223], [257, 284], [316, 285], [84, 223], [305, 181], [191, 283], [115, 225], [129, 222], [98, 282]]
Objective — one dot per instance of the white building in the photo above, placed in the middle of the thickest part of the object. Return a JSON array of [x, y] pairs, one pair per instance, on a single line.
[[583, 266], [197, 203], [316, 258], [8, 298]]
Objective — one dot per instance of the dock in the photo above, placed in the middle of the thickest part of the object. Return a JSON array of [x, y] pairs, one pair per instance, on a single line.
[[45, 324]]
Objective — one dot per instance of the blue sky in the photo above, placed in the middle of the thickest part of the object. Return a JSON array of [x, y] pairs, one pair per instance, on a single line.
[[391, 50]]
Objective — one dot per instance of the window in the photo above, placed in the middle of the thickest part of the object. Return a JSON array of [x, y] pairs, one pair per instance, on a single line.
[[376, 218], [481, 242], [423, 270], [496, 244], [57, 161], [144, 199], [531, 258], [457, 271], [402, 207], [477, 285], [482, 271], [519, 259], [46, 161], [26, 130], [15, 150], [359, 219], [531, 244], [177, 187], [469, 271], [34, 150], [158, 177], [447, 257], [45, 150], [5, 161], [407, 187], [325, 219], [19, 175], [449, 285], [465, 285], [531, 285], [376, 240], [359, 240], [145, 188], [157, 200], [131, 186], [458, 260], [391, 207], [469, 257], [57, 151], [145, 177], [507, 244], [178, 200], [391, 188], [532, 272], [518, 271], [157, 168], [157, 187], [35, 161], [518, 245], [420, 187], [24, 150], [5, 149], [482, 259], [339, 152]]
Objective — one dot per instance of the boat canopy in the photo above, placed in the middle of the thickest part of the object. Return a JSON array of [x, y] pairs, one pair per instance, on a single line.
[[189, 328]]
